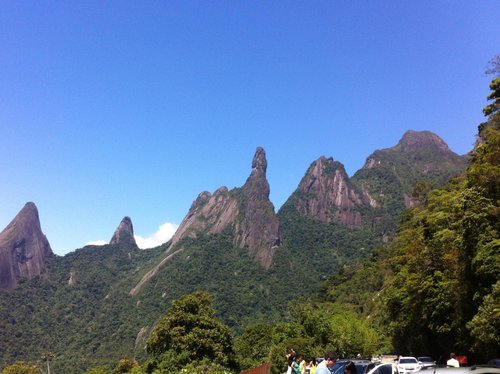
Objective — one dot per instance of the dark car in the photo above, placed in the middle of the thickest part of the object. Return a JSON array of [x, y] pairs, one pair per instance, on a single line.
[[361, 366], [426, 361]]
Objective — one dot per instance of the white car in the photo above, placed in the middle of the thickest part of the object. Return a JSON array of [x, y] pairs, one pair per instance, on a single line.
[[467, 370], [408, 365], [384, 369]]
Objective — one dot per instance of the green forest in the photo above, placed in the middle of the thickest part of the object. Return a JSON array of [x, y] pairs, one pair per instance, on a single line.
[[433, 289]]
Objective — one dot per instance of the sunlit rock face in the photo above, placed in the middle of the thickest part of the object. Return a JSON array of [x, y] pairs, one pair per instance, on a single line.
[[24, 249], [124, 233], [259, 227], [326, 194], [247, 212]]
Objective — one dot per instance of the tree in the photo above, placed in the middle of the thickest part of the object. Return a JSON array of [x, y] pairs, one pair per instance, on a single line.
[[252, 347], [191, 330], [99, 370], [494, 66], [125, 365], [21, 367], [444, 292]]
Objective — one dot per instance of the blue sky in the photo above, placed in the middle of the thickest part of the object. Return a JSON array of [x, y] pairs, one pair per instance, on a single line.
[[115, 108]]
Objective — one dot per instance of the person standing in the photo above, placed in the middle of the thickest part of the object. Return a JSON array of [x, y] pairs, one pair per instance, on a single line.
[[325, 365], [453, 361], [302, 364], [313, 366]]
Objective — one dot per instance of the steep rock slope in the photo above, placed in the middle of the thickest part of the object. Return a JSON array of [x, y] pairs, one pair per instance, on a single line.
[[124, 234], [24, 249], [326, 194], [246, 212]]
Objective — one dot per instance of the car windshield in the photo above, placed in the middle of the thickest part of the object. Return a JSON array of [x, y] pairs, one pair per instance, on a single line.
[[383, 369], [425, 359], [407, 360]]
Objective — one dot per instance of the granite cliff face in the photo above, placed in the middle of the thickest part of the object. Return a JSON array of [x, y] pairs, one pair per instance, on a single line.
[[209, 214], [24, 249], [259, 228], [326, 194], [124, 233], [375, 196], [246, 211]]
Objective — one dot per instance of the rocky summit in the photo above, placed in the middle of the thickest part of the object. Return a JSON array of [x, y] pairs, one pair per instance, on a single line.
[[124, 233], [247, 212], [389, 175], [326, 194], [24, 249], [260, 228]]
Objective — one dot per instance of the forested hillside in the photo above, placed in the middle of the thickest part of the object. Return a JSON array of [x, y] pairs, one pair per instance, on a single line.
[[436, 289], [436, 282]]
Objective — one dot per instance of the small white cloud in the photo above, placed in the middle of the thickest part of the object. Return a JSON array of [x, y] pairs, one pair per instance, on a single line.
[[97, 242], [162, 235]]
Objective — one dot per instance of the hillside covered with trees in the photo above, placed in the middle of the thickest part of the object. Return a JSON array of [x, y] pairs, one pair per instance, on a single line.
[[434, 289]]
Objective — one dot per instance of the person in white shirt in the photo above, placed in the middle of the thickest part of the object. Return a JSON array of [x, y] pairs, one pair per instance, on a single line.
[[453, 361], [325, 365]]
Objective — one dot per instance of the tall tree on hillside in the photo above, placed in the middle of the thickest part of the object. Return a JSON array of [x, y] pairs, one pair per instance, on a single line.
[[444, 294], [191, 330]]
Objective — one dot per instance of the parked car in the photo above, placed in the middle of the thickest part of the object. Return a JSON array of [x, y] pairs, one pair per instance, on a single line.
[[383, 369], [426, 361], [360, 365], [467, 370], [408, 365]]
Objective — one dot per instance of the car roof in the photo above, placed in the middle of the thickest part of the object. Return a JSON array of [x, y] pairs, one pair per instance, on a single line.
[[467, 369]]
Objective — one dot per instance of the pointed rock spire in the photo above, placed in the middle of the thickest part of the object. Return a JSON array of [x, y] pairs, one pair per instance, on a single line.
[[124, 234], [24, 249], [256, 185], [260, 228], [246, 210], [326, 194]]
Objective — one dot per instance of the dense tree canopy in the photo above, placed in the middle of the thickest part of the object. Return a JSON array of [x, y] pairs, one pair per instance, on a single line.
[[444, 294], [190, 329]]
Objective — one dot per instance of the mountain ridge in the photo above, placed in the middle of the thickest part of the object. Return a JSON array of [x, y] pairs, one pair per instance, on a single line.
[[110, 296]]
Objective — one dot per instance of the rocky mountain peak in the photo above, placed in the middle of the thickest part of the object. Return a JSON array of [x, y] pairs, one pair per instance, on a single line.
[[259, 163], [24, 249], [259, 229], [417, 140], [124, 234], [256, 186], [326, 194], [247, 211]]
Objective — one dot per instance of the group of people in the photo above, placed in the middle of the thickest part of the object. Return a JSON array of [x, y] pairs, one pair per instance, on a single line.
[[298, 365]]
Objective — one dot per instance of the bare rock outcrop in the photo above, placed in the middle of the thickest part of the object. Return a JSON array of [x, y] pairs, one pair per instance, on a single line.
[[209, 214], [246, 211], [259, 228], [24, 249], [326, 194], [124, 233]]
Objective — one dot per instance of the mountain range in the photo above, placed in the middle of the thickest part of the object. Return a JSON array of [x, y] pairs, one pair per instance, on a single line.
[[231, 243]]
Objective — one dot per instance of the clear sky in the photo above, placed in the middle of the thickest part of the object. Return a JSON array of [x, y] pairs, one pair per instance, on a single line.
[[132, 108]]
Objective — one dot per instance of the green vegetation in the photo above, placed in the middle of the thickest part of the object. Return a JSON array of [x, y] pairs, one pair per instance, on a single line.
[[211, 308], [435, 289], [188, 333]]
